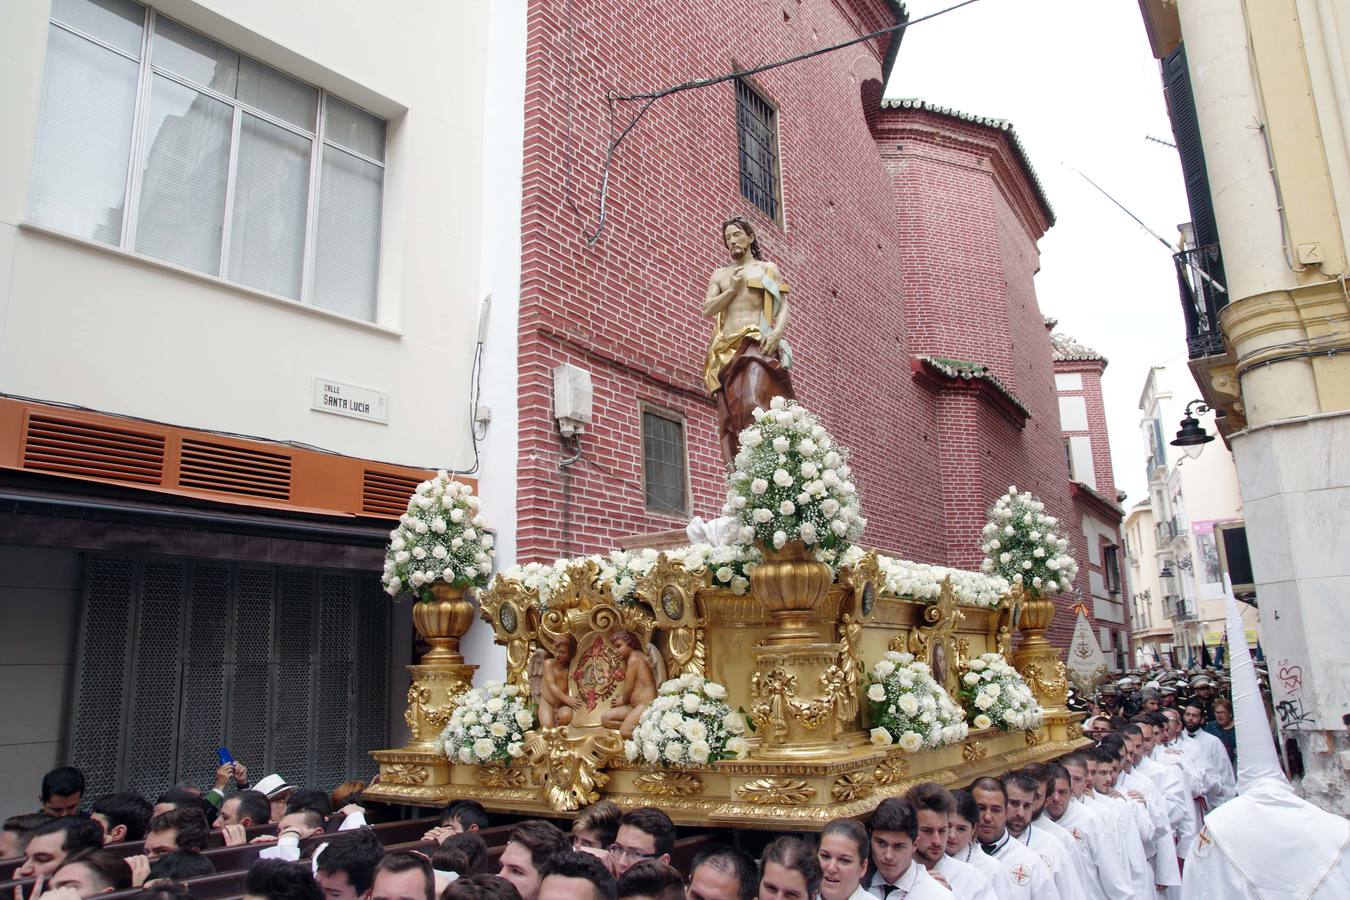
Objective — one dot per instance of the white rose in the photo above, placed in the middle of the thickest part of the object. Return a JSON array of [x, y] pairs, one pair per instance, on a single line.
[[808, 533], [494, 705], [908, 705], [971, 678], [524, 719], [498, 729], [690, 703], [762, 516], [883, 668], [881, 737], [674, 751], [782, 478], [752, 437], [758, 486], [738, 747], [982, 722], [456, 515], [483, 748], [977, 665], [714, 690], [734, 723], [695, 730], [781, 444], [787, 508], [779, 539], [876, 693], [699, 751], [650, 751], [911, 741], [725, 574]]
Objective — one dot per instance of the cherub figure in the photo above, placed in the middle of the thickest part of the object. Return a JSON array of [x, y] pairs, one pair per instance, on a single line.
[[556, 705], [639, 685]]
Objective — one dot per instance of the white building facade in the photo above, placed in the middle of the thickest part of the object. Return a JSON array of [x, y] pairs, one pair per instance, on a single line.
[[242, 277]]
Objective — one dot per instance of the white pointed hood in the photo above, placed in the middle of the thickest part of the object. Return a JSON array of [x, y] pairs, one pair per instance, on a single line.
[[1257, 760]]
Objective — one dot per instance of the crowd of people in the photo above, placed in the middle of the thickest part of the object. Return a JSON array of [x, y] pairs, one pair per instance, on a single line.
[[1152, 808]]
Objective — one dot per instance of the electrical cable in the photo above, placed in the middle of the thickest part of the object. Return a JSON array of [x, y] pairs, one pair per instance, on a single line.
[[649, 98]]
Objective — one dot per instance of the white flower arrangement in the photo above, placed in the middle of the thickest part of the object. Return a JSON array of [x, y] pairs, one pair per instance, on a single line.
[[688, 724], [792, 482], [439, 539], [621, 570], [1022, 545], [921, 581], [908, 707], [995, 695], [488, 724]]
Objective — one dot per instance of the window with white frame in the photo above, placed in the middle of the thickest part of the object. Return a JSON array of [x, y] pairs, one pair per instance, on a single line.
[[158, 140]]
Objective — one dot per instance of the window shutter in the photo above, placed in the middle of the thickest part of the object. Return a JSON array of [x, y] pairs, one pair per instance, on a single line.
[[1186, 129]]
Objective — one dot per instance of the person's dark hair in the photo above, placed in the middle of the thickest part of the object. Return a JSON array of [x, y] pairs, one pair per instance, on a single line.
[[178, 796], [355, 852], [78, 833], [406, 862], [966, 807], [1132, 730], [851, 829], [1225, 704], [180, 865], [896, 814], [463, 854], [1021, 780], [309, 798], [313, 818], [1141, 719], [1157, 719], [126, 808], [23, 827], [167, 892], [651, 878], [744, 225], [109, 869], [1078, 760], [932, 797], [188, 821], [791, 853], [729, 861], [1117, 722], [650, 820], [467, 813], [574, 864], [62, 782], [277, 879], [1198, 707], [1113, 742], [480, 887], [1103, 754], [541, 838], [987, 784], [1054, 772], [253, 805], [601, 817]]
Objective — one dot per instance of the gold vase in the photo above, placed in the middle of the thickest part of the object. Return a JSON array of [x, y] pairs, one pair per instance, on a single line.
[[441, 622], [791, 585], [1036, 658]]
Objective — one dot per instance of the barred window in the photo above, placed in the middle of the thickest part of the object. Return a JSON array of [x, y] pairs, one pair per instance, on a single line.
[[757, 143], [665, 478], [155, 139]]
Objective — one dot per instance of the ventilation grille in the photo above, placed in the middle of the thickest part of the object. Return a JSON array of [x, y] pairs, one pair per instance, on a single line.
[[385, 494], [71, 447], [234, 470]]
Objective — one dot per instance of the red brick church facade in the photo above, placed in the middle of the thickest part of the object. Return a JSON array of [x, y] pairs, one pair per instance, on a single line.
[[908, 234]]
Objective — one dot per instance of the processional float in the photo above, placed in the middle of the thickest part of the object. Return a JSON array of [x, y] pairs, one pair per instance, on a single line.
[[776, 676]]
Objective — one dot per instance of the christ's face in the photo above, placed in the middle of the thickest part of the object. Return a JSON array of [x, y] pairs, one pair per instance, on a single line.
[[737, 240]]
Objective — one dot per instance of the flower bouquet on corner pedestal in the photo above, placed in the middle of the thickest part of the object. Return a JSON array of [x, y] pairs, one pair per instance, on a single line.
[[907, 706], [1022, 545], [688, 724], [487, 725], [995, 695], [439, 540]]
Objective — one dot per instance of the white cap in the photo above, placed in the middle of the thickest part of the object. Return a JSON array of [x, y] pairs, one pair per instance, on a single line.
[[1257, 759], [273, 786]]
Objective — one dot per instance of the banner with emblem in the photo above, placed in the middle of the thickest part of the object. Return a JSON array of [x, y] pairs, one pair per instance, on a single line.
[[1087, 664]]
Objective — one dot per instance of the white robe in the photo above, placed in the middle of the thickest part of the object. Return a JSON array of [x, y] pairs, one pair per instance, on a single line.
[[1045, 845], [1180, 806], [1162, 852], [1073, 851], [1269, 844], [967, 881], [1106, 857], [1028, 876], [1124, 820], [1222, 783], [987, 866]]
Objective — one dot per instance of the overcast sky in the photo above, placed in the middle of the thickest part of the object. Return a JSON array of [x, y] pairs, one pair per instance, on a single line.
[[1080, 85]]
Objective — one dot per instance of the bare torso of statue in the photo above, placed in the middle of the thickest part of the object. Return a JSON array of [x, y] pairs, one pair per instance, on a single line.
[[748, 359]]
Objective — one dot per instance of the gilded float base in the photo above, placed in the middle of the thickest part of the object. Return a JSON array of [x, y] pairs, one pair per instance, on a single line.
[[750, 793]]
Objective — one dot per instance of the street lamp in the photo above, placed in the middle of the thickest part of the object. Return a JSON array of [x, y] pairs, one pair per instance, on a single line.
[[1191, 438]]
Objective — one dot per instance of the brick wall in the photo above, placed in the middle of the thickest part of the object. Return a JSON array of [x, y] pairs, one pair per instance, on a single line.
[[905, 233]]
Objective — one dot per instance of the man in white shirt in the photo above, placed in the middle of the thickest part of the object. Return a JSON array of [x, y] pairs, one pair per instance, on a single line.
[[1222, 782], [896, 874], [962, 846], [1027, 873], [1020, 788], [1107, 870], [1126, 817], [1161, 849], [1074, 849], [935, 805]]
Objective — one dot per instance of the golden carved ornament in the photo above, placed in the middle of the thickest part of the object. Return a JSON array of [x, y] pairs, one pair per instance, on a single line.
[[502, 777], [776, 790], [853, 786], [974, 751], [891, 771], [935, 642], [1074, 731], [672, 591], [864, 582], [669, 784], [1047, 686], [772, 691], [405, 773], [570, 767], [1035, 737], [775, 699], [513, 612], [791, 584], [418, 696]]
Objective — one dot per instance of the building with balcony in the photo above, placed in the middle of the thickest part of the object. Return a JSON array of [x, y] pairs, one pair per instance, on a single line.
[[1258, 97]]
